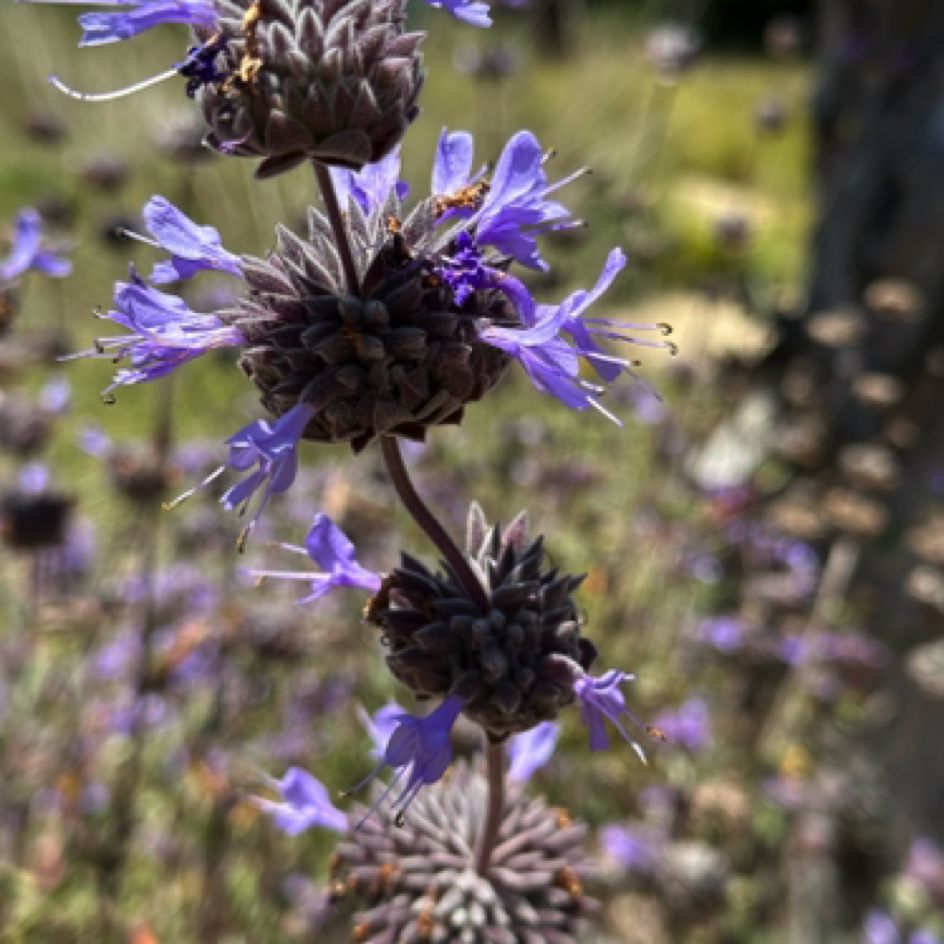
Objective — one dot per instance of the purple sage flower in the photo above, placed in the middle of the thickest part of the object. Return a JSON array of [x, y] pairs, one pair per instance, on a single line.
[[512, 209], [28, 253], [551, 362], [102, 28], [305, 803], [474, 12], [270, 451], [165, 334], [531, 750], [601, 700], [193, 248], [330, 548], [420, 745]]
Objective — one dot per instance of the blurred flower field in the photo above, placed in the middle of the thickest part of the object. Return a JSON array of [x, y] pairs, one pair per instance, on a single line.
[[150, 688]]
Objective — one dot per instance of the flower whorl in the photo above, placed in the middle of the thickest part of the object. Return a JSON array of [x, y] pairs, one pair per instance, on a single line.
[[420, 882], [394, 362], [333, 80], [514, 666]]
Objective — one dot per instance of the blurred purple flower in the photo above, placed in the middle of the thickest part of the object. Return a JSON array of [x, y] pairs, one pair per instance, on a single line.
[[305, 803], [688, 725], [116, 658], [724, 633], [531, 750], [601, 700], [34, 478], [880, 929], [55, 396], [28, 253], [330, 548], [632, 847]]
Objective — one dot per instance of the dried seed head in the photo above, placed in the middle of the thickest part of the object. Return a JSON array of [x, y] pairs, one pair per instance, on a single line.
[[30, 522], [420, 883], [334, 80], [513, 666], [400, 359]]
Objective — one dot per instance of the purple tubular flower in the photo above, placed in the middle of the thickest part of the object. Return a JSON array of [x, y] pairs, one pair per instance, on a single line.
[[102, 28], [305, 803], [421, 745], [270, 451], [473, 12], [193, 248], [601, 700], [27, 252], [371, 185], [329, 547], [516, 209], [551, 362], [532, 750], [165, 333]]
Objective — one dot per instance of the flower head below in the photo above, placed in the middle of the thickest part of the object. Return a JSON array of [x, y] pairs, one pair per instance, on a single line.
[[329, 547]]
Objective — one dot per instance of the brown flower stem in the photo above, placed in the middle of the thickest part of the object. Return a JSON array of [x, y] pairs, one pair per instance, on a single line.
[[430, 525], [495, 775], [337, 224]]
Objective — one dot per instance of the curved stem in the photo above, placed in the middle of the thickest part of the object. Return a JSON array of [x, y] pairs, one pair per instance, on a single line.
[[495, 774], [429, 523], [337, 225]]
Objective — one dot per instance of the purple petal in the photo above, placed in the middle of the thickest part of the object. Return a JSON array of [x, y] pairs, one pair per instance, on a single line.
[[532, 750], [452, 165]]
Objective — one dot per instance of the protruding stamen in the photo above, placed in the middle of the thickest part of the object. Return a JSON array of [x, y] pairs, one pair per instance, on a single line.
[[665, 328], [171, 505], [111, 96]]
